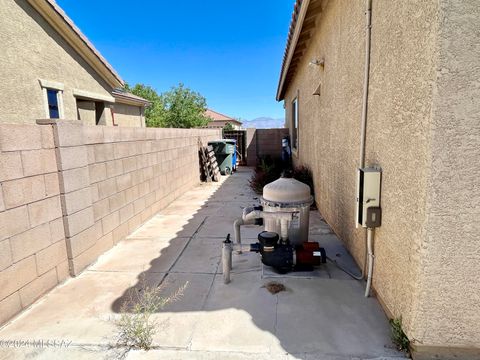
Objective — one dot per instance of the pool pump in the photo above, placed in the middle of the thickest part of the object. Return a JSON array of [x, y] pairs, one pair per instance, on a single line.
[[285, 257], [283, 245]]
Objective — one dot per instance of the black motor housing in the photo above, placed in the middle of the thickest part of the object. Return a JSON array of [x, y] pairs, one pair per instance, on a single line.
[[281, 256]]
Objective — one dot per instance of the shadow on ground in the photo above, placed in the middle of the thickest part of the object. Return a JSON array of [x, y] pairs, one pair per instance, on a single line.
[[321, 315]]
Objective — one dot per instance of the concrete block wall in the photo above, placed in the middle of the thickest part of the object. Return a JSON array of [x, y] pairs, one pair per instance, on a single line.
[[69, 192], [264, 142], [131, 173], [33, 256]]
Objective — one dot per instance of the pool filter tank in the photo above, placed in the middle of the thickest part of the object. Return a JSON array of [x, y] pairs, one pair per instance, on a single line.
[[283, 245], [287, 196]]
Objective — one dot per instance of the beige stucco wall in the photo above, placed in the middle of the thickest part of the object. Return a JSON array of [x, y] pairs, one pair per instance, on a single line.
[[86, 112], [32, 50], [129, 115], [423, 131], [448, 311]]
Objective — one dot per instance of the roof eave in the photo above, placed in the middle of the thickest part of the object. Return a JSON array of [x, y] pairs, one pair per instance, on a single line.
[[52, 13], [122, 99], [291, 49]]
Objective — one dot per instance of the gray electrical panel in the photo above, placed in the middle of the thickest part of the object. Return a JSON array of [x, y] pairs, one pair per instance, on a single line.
[[369, 182]]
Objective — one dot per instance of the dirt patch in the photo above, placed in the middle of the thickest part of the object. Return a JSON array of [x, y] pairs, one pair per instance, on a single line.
[[274, 287]]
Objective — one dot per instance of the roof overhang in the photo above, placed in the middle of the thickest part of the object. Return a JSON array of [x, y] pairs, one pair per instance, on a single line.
[[57, 18], [123, 97], [301, 29]]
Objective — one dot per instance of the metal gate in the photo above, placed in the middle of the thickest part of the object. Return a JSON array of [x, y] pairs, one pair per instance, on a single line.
[[241, 137]]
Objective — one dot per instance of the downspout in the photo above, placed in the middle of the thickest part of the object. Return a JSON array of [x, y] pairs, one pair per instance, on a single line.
[[363, 134]]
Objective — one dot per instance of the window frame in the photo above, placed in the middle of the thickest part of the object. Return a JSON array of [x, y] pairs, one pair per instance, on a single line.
[[58, 88], [295, 125]]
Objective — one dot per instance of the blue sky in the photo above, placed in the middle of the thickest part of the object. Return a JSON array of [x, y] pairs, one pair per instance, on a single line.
[[229, 51]]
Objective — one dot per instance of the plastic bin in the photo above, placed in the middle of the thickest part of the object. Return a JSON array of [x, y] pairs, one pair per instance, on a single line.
[[234, 157], [224, 152]]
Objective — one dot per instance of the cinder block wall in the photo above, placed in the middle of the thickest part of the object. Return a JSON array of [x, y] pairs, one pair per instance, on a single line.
[[264, 142], [33, 256], [117, 177], [69, 192]]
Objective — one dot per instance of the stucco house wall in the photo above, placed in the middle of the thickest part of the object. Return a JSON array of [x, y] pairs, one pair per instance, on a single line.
[[32, 50], [423, 131], [448, 312], [129, 115]]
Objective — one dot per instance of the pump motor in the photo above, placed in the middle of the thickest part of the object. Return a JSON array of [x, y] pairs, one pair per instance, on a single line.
[[285, 257]]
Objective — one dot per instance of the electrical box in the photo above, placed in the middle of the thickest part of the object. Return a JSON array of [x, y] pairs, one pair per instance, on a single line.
[[369, 181]]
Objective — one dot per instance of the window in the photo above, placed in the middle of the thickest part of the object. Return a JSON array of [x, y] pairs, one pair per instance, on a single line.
[[295, 124], [52, 99]]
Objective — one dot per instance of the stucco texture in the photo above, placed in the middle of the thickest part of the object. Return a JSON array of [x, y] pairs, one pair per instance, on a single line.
[[448, 312], [423, 130], [129, 115], [32, 50]]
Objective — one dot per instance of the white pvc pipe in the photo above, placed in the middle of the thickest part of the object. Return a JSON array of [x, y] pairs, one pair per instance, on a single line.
[[236, 230], [371, 257], [284, 228], [227, 261]]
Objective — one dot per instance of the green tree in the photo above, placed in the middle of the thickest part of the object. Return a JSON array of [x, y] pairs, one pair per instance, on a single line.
[[154, 113], [184, 108], [228, 127], [178, 108]]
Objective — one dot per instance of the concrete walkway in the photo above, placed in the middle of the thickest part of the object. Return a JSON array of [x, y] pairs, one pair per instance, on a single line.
[[320, 316]]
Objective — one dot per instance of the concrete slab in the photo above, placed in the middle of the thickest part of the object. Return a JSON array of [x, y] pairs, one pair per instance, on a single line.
[[138, 255], [237, 318], [79, 310], [202, 355], [197, 288], [71, 352], [323, 317], [331, 317], [219, 227], [199, 257], [168, 226]]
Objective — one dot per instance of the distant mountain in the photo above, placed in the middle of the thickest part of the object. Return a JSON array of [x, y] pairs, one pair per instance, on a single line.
[[264, 123]]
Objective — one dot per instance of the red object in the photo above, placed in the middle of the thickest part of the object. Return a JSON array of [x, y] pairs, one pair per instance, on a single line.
[[305, 255]]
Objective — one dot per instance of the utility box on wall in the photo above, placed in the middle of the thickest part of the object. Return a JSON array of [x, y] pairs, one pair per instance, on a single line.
[[369, 182]]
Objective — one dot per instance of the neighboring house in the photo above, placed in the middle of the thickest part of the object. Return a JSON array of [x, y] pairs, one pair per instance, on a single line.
[[422, 129], [220, 120], [49, 69]]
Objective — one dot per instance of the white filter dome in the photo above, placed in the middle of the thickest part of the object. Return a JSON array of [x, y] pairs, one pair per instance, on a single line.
[[287, 190]]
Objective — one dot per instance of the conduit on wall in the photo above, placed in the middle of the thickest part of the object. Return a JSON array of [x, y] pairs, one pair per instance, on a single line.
[[363, 134]]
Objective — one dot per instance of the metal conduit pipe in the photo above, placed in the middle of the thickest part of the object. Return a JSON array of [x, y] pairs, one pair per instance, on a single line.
[[370, 261], [369, 258]]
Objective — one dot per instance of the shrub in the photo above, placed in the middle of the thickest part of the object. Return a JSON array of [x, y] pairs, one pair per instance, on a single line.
[[135, 326], [304, 174], [269, 170], [265, 172]]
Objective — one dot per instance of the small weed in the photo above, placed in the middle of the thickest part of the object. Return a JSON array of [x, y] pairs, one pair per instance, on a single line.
[[399, 338], [135, 327]]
